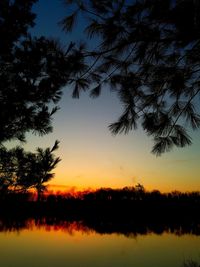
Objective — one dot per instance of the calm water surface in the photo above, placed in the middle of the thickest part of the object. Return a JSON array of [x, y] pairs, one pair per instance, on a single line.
[[77, 246]]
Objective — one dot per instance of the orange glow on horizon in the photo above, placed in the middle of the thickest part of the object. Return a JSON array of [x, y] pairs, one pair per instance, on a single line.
[[76, 191]]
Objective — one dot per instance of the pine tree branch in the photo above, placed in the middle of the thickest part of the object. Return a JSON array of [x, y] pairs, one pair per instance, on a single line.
[[181, 112]]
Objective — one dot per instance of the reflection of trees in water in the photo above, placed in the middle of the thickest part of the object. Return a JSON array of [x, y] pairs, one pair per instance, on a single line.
[[45, 224], [130, 229], [128, 211], [69, 227]]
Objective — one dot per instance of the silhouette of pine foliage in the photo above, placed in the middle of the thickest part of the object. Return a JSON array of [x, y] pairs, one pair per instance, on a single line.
[[41, 165], [148, 52], [33, 72], [21, 170]]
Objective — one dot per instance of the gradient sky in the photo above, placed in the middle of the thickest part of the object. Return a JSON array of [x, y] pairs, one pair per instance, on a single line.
[[91, 156]]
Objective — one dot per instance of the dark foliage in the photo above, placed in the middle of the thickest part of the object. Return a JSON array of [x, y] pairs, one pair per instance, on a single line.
[[148, 52], [21, 171], [110, 201], [128, 211], [32, 73]]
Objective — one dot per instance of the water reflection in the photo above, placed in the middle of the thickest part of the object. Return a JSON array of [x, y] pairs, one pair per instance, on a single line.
[[126, 228], [52, 241]]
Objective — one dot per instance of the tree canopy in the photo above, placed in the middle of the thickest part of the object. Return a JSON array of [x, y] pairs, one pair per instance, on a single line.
[[33, 71], [21, 170], [148, 52]]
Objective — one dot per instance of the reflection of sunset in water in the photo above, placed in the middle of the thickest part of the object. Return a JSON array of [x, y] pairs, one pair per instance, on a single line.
[[104, 227], [50, 243]]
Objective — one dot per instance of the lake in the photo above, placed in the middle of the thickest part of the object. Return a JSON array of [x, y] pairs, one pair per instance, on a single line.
[[40, 244]]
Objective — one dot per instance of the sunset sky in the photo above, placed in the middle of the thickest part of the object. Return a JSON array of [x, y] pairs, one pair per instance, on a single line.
[[91, 156]]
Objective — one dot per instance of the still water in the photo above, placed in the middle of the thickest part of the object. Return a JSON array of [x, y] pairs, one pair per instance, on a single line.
[[76, 245]]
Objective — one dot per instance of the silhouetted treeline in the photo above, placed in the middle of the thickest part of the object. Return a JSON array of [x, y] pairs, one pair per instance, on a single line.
[[126, 204]]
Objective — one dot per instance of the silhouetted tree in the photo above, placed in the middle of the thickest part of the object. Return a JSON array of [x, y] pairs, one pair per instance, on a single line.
[[16, 18], [140, 191], [21, 170], [33, 72], [7, 169], [148, 52], [14, 163], [42, 164]]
